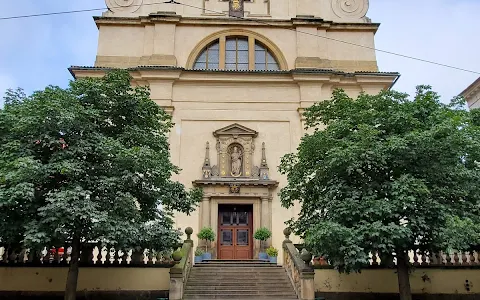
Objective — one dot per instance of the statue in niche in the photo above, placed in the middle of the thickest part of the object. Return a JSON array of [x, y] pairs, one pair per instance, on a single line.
[[236, 160]]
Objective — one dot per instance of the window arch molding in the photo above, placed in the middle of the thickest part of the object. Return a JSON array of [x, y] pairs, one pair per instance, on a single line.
[[282, 62]]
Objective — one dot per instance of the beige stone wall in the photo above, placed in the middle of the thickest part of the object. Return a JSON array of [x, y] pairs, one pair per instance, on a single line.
[[90, 279], [332, 10], [203, 102], [423, 281], [174, 41]]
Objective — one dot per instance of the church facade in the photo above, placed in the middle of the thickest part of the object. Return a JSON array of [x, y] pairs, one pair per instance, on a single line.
[[236, 76]]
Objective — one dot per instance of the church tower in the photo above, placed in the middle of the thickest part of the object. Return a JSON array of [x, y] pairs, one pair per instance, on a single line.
[[236, 76]]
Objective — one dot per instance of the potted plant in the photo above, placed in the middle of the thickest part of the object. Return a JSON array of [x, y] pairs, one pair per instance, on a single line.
[[272, 254], [199, 255], [262, 234], [208, 236]]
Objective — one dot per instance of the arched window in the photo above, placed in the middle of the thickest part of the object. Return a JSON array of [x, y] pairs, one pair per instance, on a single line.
[[239, 53], [209, 58]]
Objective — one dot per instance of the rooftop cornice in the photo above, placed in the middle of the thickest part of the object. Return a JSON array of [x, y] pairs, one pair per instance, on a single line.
[[303, 71], [225, 21], [297, 75], [471, 89]]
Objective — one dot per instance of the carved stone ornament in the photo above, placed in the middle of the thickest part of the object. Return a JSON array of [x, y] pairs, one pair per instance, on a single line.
[[236, 8], [235, 145], [234, 188], [235, 150], [124, 5], [351, 9]]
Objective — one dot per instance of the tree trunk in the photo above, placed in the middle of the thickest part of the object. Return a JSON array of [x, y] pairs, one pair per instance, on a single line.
[[72, 277], [403, 276]]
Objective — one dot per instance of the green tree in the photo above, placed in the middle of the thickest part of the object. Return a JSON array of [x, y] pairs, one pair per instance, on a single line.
[[88, 163], [382, 173]]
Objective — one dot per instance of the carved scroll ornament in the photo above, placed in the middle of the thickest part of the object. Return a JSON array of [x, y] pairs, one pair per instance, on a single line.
[[353, 9]]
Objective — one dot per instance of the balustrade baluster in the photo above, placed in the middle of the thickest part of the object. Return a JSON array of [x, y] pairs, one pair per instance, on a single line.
[[440, 258], [374, 259], [150, 257], [108, 256], [68, 252], [415, 258], [424, 259], [46, 256], [472, 257], [448, 259], [116, 257], [464, 258], [456, 259]]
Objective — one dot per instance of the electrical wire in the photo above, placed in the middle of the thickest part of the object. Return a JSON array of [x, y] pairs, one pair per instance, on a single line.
[[257, 21]]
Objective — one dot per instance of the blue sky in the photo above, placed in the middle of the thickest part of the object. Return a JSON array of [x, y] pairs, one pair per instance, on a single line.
[[36, 52]]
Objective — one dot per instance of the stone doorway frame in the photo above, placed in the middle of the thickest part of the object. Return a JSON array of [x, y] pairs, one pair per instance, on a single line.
[[256, 193]]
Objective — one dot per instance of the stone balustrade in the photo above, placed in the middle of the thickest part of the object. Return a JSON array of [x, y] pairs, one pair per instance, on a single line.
[[179, 273], [418, 258], [92, 255], [299, 269]]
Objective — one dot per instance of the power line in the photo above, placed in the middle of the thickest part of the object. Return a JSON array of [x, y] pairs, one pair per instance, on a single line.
[[257, 21], [82, 10], [346, 42]]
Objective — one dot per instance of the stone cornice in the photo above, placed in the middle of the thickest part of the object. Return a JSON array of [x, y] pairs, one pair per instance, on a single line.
[[145, 73], [472, 89], [227, 181], [224, 21]]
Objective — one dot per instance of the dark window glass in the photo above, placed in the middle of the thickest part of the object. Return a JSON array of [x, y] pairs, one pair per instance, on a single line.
[[236, 54], [264, 60], [242, 218], [242, 237], [226, 237], [227, 218], [209, 58]]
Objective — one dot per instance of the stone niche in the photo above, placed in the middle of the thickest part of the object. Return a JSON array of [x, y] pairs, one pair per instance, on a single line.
[[235, 149]]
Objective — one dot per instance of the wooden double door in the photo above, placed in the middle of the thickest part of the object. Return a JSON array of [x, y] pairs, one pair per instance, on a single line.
[[235, 236]]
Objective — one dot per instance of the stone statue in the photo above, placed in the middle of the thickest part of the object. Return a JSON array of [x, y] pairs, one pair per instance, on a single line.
[[236, 162]]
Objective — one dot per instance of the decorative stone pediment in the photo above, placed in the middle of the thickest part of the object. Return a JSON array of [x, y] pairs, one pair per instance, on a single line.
[[235, 130], [235, 148]]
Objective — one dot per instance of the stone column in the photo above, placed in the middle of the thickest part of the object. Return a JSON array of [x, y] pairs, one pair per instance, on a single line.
[[266, 215], [205, 212]]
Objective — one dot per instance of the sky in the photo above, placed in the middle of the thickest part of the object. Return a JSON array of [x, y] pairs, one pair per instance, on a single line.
[[36, 52]]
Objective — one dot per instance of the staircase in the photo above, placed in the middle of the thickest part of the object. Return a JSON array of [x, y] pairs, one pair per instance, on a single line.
[[234, 279]]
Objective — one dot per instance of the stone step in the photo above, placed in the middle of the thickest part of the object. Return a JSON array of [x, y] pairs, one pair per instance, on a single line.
[[259, 287], [234, 260], [236, 265], [238, 269], [217, 297], [241, 290], [233, 279], [237, 277], [215, 281], [240, 294]]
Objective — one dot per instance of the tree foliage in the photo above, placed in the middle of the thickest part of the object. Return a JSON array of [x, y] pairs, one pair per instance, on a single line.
[[383, 173], [89, 162]]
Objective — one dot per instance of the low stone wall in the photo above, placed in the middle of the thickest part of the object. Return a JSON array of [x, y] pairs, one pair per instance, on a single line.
[[98, 283], [378, 284]]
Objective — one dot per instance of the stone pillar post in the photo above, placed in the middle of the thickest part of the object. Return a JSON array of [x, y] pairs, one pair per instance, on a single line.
[[205, 212], [266, 216]]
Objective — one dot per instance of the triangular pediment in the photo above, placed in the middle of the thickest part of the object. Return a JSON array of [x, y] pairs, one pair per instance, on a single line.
[[235, 130]]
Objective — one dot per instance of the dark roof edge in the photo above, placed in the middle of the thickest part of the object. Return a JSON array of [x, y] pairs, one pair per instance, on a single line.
[[292, 71], [471, 86]]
